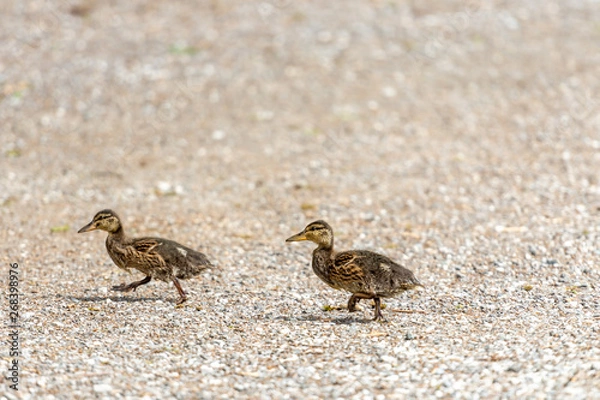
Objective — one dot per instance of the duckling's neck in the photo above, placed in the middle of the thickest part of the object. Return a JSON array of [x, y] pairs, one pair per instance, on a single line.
[[118, 235], [322, 262]]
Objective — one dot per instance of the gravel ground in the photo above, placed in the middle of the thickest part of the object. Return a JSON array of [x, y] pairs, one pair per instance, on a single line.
[[459, 139]]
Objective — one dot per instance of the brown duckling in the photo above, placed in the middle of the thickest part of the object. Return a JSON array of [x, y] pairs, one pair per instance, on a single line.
[[156, 258], [365, 274]]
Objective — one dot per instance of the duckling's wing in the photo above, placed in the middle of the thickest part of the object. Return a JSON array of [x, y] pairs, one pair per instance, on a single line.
[[345, 259], [185, 262], [384, 275], [144, 254], [347, 272], [174, 252], [146, 246]]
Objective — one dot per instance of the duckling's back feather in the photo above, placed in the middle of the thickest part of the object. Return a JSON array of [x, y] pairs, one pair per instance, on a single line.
[[363, 271], [186, 262], [157, 257]]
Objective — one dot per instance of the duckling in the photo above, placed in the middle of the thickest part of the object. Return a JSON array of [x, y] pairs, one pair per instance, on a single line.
[[365, 274], [156, 258]]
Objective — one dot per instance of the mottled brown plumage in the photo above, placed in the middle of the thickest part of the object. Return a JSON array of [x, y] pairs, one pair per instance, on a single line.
[[156, 258], [365, 274]]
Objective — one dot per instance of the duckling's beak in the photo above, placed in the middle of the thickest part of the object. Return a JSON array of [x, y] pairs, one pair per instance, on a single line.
[[89, 227], [298, 237]]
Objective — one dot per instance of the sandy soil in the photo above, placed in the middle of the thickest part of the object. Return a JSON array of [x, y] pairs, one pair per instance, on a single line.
[[459, 138]]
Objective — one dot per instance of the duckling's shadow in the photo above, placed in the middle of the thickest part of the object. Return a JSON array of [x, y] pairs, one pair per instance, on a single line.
[[344, 320], [116, 299]]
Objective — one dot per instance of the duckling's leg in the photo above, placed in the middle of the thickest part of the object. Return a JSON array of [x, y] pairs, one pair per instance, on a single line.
[[355, 299], [378, 314], [124, 287], [180, 290]]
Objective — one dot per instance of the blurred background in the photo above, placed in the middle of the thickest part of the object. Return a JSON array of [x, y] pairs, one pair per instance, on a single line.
[[235, 123], [231, 115]]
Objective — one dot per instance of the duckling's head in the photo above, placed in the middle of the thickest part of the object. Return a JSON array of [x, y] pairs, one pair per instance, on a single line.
[[318, 232], [106, 220]]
